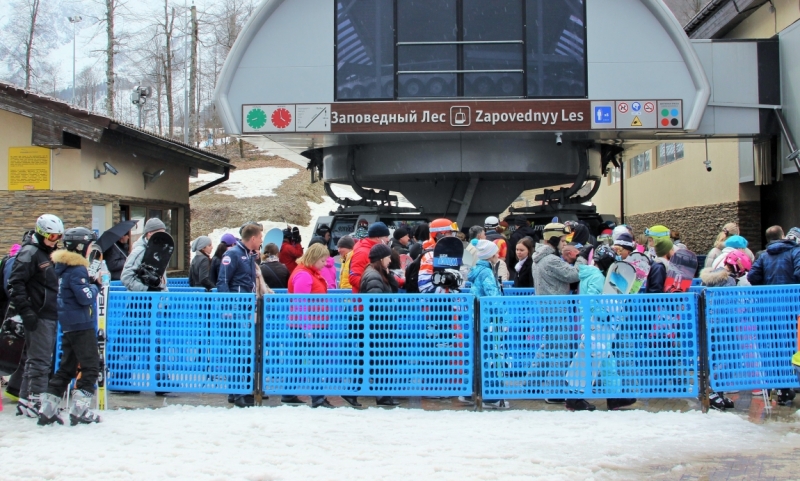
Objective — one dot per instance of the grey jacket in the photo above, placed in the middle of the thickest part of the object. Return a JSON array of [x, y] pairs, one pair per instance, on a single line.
[[128, 277], [551, 275]]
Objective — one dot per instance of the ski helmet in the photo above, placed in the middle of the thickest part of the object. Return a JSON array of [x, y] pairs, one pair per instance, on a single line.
[[442, 227], [794, 234], [48, 224], [739, 261], [491, 223], [78, 239], [604, 256]]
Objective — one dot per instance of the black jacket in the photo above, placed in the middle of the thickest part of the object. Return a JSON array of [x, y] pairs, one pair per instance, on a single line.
[[372, 283], [33, 283], [213, 274], [511, 253], [656, 278], [275, 274], [115, 258], [396, 245], [199, 272], [524, 276]]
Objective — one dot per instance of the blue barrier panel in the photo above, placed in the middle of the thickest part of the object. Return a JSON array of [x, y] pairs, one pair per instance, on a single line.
[[170, 287], [752, 335], [697, 289], [181, 342], [507, 284], [697, 282], [519, 291], [115, 283], [369, 345], [642, 346], [178, 282]]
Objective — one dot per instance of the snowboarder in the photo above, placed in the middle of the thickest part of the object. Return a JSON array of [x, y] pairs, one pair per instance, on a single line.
[[129, 278], [77, 298], [439, 229], [33, 290]]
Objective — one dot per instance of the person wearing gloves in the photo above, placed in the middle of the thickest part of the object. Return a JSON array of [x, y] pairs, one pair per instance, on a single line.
[[484, 284], [329, 271], [522, 267], [624, 245], [551, 275], [657, 276], [200, 268], [129, 278], [291, 249]]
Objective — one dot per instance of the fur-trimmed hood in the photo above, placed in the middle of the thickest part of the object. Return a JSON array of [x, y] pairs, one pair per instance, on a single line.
[[69, 258], [716, 277]]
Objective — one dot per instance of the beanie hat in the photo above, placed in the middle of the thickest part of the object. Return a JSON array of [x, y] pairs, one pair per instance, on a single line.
[[346, 242], [554, 229], [520, 221], [618, 231], [399, 233], [794, 234], [201, 243], [228, 239], [736, 241], [625, 241], [657, 231], [153, 224], [379, 251], [378, 229], [485, 248], [663, 246], [491, 223]]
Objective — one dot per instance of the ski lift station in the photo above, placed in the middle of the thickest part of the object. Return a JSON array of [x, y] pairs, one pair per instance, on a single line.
[[463, 105]]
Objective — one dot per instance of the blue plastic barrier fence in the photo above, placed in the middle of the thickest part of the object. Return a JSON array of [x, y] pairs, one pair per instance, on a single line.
[[507, 284], [178, 282], [752, 335], [181, 342], [697, 282], [519, 291], [642, 346], [170, 287], [369, 345], [115, 283]]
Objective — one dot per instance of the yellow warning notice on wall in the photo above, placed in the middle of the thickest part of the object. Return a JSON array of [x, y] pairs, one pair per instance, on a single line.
[[636, 122], [28, 168]]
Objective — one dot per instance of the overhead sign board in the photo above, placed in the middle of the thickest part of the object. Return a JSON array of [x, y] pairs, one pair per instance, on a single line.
[[28, 168], [636, 114], [436, 116]]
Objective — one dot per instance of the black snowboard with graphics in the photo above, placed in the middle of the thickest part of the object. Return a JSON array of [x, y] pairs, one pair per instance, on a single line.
[[447, 259], [156, 259], [12, 342]]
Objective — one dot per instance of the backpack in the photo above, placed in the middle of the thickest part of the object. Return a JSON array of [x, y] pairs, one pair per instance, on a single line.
[[412, 273]]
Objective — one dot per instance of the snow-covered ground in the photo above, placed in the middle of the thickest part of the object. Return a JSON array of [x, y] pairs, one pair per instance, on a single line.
[[206, 443], [260, 182]]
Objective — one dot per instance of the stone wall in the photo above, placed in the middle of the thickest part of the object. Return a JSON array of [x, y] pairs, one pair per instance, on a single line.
[[22, 208], [700, 225]]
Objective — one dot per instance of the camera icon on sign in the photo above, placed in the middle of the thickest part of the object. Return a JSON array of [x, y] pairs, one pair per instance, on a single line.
[[460, 116]]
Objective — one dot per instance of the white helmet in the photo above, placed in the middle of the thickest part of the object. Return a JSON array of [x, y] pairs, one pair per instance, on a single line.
[[491, 222], [48, 224]]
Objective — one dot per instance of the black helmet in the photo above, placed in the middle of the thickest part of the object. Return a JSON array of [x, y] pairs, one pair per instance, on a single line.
[[604, 256], [78, 239]]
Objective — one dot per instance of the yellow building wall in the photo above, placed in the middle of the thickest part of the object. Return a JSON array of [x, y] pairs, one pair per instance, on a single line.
[[15, 131], [683, 183], [763, 23]]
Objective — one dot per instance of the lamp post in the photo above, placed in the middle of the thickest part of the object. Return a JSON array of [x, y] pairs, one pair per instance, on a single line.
[[74, 20]]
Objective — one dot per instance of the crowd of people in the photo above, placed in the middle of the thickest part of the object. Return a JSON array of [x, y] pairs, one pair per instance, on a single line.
[[45, 286]]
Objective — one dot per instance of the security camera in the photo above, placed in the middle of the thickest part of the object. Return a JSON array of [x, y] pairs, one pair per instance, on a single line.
[[110, 168], [559, 141], [707, 163]]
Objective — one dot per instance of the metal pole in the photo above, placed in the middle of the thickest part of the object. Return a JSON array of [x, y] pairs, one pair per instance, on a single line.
[[186, 77], [74, 20], [477, 362]]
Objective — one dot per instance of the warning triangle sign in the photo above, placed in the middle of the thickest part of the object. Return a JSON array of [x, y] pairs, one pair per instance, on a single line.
[[636, 122]]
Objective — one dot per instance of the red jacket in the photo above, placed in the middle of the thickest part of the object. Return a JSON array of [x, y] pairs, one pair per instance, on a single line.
[[289, 254], [360, 261]]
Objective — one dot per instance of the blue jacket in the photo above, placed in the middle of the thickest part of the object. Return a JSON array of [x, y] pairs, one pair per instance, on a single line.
[[592, 280], [77, 294], [237, 270], [780, 264], [483, 282]]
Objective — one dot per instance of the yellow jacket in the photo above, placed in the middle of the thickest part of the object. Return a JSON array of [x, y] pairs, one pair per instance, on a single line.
[[344, 276]]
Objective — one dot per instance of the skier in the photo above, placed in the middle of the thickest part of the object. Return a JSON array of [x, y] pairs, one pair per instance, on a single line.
[[201, 264], [77, 299], [624, 245], [15, 380], [291, 249], [730, 271], [484, 284], [129, 278], [33, 289], [439, 229]]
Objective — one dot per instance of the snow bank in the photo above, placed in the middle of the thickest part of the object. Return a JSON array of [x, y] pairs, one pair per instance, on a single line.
[[205, 443], [243, 184]]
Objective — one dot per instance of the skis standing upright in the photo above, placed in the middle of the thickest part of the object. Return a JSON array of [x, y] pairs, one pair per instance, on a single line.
[[97, 269]]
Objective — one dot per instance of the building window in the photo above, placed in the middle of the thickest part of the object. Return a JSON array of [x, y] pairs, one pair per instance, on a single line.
[[460, 48], [640, 164], [668, 153], [614, 175], [142, 213]]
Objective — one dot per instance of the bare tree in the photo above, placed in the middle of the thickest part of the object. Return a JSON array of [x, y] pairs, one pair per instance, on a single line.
[[195, 31], [168, 64]]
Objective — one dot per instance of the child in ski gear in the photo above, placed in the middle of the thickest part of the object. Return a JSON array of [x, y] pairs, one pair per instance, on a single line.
[[658, 271], [624, 245], [33, 290], [77, 300]]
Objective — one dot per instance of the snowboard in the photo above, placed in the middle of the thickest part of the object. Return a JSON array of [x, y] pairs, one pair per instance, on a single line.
[[620, 278], [641, 263], [156, 259], [12, 342], [447, 259], [274, 236], [681, 271]]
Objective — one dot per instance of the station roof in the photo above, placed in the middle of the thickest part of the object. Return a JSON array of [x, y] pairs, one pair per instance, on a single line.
[[56, 124], [719, 17]]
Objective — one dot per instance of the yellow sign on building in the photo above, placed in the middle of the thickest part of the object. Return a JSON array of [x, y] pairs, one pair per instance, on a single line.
[[28, 168]]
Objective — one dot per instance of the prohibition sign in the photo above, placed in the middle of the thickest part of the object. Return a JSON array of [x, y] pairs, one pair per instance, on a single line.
[[622, 107], [649, 107]]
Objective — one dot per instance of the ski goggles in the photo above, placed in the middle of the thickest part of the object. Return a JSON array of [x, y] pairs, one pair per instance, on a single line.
[[559, 229], [53, 237]]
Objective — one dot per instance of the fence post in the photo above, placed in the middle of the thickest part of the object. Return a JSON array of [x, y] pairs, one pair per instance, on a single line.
[[477, 362], [259, 351], [703, 353]]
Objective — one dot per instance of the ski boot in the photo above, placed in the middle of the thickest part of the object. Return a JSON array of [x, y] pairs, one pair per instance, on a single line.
[[49, 412], [79, 412], [29, 407], [785, 397], [617, 403], [579, 405], [717, 401]]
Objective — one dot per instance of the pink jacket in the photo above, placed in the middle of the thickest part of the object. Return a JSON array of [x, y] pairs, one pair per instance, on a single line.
[[329, 273]]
